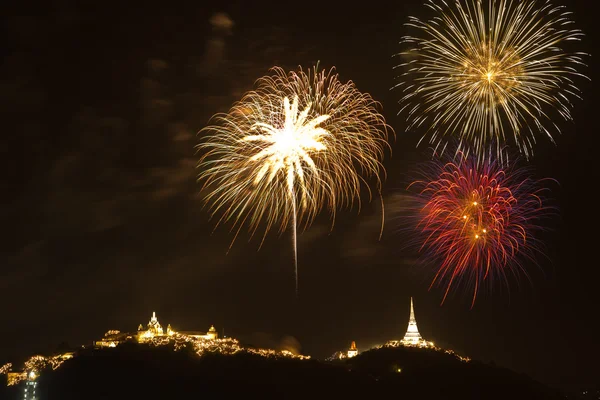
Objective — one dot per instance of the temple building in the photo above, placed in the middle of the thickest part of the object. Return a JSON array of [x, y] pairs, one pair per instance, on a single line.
[[412, 337], [154, 326], [352, 351], [210, 335], [153, 329], [343, 355]]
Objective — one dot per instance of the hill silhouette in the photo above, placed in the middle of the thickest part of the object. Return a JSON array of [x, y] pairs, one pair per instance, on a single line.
[[138, 371], [430, 374]]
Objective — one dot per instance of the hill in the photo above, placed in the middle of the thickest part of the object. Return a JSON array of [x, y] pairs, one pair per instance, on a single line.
[[432, 374], [140, 371]]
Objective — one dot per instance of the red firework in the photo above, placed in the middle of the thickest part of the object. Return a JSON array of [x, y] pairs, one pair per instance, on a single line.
[[477, 220]]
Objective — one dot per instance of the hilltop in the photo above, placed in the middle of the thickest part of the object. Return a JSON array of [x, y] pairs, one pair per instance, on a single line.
[[138, 370]]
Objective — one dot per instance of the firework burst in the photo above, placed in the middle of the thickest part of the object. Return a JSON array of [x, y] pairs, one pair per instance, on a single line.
[[299, 142], [478, 221], [487, 72]]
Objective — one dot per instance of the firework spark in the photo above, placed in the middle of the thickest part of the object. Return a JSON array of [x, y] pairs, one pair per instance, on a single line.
[[478, 220], [300, 142], [488, 70]]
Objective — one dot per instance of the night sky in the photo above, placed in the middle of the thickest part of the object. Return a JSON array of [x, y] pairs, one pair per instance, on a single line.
[[103, 220]]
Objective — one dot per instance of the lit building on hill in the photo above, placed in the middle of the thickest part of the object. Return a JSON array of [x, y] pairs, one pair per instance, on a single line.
[[30, 386], [352, 351], [154, 335], [154, 326], [210, 335], [153, 330], [342, 355], [412, 337]]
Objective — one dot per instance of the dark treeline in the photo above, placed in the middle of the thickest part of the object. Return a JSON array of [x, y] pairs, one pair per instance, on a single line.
[[136, 371]]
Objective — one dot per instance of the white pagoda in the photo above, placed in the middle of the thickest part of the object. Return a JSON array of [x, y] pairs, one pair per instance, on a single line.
[[412, 337]]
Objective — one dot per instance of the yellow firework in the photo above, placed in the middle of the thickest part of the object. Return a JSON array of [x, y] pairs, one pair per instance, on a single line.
[[485, 72], [299, 142]]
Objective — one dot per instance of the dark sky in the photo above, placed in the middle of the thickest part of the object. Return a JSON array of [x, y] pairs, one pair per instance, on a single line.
[[103, 222]]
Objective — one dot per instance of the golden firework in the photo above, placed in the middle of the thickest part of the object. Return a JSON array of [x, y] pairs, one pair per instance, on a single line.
[[488, 71], [299, 142]]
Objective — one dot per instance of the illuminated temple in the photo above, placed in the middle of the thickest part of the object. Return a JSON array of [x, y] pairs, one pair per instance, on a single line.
[[412, 337], [352, 351], [154, 335], [153, 330], [342, 355]]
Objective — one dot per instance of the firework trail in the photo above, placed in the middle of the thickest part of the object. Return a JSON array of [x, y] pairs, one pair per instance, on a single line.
[[489, 71], [478, 220], [299, 142]]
